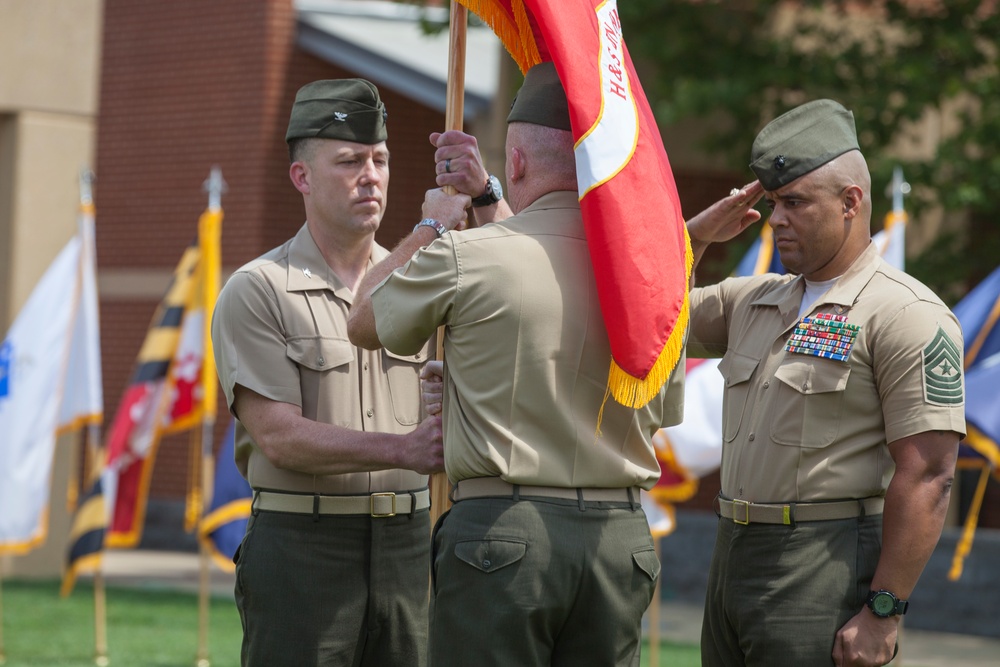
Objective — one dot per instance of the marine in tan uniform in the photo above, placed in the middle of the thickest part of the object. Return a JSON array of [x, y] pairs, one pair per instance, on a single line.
[[842, 415], [546, 557], [333, 569]]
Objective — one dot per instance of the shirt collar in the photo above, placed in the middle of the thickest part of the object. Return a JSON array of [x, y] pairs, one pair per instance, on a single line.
[[308, 270], [843, 293]]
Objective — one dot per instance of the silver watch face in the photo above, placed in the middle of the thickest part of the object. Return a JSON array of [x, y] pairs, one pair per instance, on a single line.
[[494, 185]]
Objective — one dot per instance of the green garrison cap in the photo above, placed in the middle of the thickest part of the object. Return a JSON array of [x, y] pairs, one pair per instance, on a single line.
[[541, 100], [346, 109], [801, 140]]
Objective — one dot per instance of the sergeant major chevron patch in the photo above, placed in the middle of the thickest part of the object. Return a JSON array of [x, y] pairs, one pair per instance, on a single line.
[[942, 371]]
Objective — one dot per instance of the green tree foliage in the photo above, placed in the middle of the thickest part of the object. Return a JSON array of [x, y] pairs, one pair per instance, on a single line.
[[916, 73]]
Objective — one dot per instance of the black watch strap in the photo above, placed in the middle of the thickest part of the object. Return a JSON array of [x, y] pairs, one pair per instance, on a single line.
[[492, 193]]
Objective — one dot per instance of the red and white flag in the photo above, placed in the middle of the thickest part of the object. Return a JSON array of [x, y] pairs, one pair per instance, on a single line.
[[631, 211]]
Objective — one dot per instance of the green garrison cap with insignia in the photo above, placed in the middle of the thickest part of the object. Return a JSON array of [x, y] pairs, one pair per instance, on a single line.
[[345, 109], [801, 140], [541, 99]]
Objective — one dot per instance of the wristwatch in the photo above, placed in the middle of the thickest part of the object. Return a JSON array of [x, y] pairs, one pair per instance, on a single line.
[[884, 604], [492, 193], [436, 225]]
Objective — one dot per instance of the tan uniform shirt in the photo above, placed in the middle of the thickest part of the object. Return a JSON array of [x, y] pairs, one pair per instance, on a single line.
[[526, 354], [799, 427], [280, 329]]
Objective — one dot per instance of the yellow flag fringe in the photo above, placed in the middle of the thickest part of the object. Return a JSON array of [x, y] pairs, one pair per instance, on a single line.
[[637, 392], [520, 43]]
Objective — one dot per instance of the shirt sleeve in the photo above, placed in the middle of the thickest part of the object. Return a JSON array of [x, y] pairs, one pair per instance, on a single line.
[[418, 297], [917, 359], [711, 309], [250, 343]]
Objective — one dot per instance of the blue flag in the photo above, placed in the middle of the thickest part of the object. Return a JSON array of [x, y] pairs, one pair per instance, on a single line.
[[978, 313], [225, 522]]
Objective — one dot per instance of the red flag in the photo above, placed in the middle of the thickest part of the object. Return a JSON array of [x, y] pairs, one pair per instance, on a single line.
[[632, 214]]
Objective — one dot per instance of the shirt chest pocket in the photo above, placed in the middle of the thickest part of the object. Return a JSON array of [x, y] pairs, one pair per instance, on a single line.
[[403, 373], [809, 402], [324, 369], [736, 369]]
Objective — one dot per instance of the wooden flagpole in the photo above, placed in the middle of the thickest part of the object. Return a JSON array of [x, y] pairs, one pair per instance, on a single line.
[[453, 116]]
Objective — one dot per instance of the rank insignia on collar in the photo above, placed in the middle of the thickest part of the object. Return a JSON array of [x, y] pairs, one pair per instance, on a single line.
[[307, 273], [823, 335]]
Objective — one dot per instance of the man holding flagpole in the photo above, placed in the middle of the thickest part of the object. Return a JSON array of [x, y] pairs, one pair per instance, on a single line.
[[333, 567], [546, 526], [843, 408]]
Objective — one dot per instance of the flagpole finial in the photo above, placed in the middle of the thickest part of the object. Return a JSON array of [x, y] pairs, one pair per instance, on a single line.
[[898, 189], [215, 186], [86, 186]]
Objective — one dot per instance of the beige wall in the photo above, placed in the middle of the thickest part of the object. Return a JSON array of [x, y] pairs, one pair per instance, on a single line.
[[50, 55]]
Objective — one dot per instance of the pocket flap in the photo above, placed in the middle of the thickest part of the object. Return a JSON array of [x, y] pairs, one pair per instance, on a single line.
[[647, 561], [417, 358], [737, 368], [815, 376], [320, 354], [490, 555]]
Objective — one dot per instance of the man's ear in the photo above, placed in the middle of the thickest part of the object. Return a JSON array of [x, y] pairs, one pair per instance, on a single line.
[[518, 165], [853, 197], [298, 172]]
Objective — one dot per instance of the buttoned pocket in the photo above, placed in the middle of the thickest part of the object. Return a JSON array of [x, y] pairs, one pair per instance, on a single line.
[[403, 373], [810, 401], [490, 555], [320, 354], [647, 561], [324, 369], [736, 369]]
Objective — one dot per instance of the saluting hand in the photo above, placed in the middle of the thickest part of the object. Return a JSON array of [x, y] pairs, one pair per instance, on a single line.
[[727, 217]]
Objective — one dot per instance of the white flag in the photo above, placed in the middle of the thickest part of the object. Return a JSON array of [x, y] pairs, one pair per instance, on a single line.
[[50, 380]]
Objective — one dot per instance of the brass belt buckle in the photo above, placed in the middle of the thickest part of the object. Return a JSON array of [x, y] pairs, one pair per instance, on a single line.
[[380, 515], [745, 504]]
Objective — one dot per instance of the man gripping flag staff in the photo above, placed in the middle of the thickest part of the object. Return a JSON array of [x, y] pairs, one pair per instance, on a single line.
[[530, 435], [631, 211]]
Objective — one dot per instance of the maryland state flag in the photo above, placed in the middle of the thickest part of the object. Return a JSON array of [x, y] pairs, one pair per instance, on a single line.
[[86, 536], [631, 211], [173, 386], [160, 399]]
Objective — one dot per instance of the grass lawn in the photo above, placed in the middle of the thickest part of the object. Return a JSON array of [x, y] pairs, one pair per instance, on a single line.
[[145, 628]]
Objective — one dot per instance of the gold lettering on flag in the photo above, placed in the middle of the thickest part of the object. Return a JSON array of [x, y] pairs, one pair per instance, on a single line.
[[609, 144]]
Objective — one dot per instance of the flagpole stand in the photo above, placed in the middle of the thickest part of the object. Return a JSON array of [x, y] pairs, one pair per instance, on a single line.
[[100, 627]]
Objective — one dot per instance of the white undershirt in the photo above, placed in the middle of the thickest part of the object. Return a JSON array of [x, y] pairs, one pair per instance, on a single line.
[[814, 290]]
